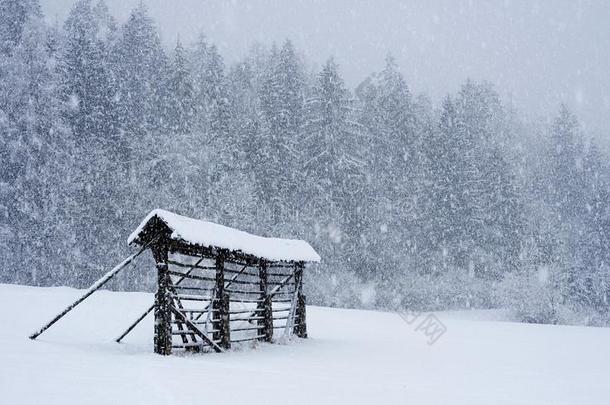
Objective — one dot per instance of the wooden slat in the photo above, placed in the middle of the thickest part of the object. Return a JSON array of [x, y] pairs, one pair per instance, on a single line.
[[244, 292], [193, 266], [244, 311], [248, 338], [245, 273], [252, 318], [195, 322], [273, 274], [181, 287], [226, 286], [246, 301], [191, 276], [187, 332], [254, 282], [184, 346], [245, 328], [189, 345], [188, 297], [192, 310]]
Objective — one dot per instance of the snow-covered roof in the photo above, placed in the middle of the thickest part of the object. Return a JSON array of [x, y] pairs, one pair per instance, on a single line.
[[209, 234]]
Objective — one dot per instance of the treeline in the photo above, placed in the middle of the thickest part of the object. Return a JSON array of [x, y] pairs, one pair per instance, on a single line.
[[461, 205]]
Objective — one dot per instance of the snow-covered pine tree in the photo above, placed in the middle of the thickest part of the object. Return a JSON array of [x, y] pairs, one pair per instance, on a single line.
[[393, 157], [13, 16], [591, 284], [473, 199], [181, 108], [494, 196], [565, 188], [281, 97], [33, 150], [89, 106], [210, 90], [108, 34], [564, 193], [86, 89], [245, 123], [444, 203], [335, 167], [141, 69], [226, 183]]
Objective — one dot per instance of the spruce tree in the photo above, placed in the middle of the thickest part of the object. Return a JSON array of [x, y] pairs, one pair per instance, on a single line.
[[282, 105], [180, 103], [35, 165], [13, 16], [86, 88], [334, 165], [390, 121], [592, 285], [212, 103], [566, 166], [141, 70]]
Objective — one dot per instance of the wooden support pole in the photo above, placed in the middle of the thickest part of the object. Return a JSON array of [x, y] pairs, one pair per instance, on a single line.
[[163, 305], [265, 324], [96, 286], [135, 323], [221, 305], [300, 327]]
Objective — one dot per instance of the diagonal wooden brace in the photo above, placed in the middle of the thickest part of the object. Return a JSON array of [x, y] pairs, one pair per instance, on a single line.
[[180, 315]]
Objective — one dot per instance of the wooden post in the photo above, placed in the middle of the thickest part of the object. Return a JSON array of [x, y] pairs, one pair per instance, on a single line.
[[221, 306], [300, 327], [265, 309], [225, 332], [163, 313]]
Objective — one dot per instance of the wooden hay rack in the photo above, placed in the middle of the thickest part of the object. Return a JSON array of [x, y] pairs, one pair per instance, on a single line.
[[216, 286]]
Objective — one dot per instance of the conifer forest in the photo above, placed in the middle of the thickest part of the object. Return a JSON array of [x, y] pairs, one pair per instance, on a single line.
[[412, 201]]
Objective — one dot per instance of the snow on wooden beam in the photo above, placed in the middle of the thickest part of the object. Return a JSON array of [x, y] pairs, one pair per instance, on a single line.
[[210, 235]]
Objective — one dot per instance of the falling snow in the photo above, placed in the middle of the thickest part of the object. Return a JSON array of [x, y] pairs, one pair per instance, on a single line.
[[415, 191]]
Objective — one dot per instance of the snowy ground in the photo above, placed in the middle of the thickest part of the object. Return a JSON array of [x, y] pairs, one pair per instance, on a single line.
[[352, 357]]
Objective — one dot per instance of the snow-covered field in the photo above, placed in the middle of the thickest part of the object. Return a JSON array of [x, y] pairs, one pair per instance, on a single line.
[[352, 357]]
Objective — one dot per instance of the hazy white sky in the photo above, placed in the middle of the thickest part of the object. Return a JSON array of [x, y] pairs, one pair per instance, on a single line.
[[537, 53]]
